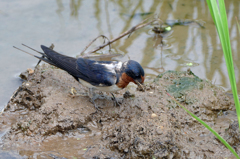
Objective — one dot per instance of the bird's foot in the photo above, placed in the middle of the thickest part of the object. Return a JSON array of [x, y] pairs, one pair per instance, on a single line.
[[95, 105], [116, 102]]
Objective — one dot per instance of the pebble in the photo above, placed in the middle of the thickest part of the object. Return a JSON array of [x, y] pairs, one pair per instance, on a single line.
[[154, 115], [159, 131]]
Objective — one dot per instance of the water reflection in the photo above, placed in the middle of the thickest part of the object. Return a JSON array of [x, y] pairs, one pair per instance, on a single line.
[[75, 5], [60, 7], [187, 44]]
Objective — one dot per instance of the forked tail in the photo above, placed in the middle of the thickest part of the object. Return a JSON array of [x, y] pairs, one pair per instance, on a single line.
[[54, 58]]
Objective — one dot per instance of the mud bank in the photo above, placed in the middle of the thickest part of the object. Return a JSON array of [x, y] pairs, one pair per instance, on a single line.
[[45, 119]]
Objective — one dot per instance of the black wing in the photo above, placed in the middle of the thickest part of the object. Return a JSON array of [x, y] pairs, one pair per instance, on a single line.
[[97, 73]]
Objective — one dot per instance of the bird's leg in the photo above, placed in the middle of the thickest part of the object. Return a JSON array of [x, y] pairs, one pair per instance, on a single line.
[[115, 100], [93, 98]]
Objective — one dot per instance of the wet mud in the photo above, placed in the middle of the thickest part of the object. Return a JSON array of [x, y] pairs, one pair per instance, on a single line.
[[45, 119]]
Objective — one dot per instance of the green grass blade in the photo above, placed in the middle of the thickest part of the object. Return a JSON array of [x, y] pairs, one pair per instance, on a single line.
[[220, 20], [225, 28], [208, 127], [211, 10]]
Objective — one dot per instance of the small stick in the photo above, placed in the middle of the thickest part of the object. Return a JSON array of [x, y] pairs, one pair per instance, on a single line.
[[140, 25]]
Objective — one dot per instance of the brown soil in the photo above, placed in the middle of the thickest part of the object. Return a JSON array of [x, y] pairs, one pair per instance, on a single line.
[[43, 120]]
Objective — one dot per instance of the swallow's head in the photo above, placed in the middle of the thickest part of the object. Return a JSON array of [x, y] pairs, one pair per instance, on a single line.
[[132, 72]]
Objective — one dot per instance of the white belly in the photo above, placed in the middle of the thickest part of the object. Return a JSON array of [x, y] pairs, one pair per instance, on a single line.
[[113, 88]]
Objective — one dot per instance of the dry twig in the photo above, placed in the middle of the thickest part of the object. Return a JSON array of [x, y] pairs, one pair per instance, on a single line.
[[140, 25]]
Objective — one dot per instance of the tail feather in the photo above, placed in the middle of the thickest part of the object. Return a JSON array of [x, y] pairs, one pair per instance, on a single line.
[[54, 58], [40, 58], [34, 50]]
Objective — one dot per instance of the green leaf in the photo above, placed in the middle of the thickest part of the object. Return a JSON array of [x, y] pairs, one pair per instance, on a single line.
[[220, 19]]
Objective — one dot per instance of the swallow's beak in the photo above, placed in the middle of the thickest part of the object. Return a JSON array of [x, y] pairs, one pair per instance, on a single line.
[[140, 86]]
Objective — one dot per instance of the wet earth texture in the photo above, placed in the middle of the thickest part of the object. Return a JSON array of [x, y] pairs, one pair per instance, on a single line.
[[45, 119]]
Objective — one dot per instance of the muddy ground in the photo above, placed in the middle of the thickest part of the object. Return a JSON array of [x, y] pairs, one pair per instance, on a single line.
[[45, 118]]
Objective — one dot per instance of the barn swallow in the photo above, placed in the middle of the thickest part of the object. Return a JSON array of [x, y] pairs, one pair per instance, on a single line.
[[107, 76]]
